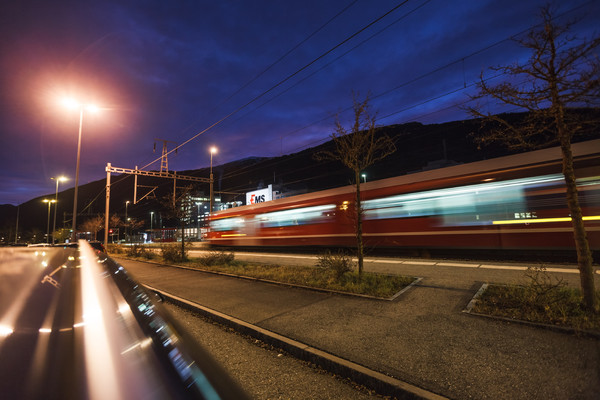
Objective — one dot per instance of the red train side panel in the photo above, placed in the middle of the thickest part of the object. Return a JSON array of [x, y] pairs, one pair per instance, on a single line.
[[514, 202]]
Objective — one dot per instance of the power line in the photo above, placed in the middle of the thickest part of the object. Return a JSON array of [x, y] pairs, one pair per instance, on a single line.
[[286, 79], [451, 63], [289, 51], [338, 58]]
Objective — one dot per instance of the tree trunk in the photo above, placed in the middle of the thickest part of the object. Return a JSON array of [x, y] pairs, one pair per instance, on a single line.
[[584, 255], [359, 236]]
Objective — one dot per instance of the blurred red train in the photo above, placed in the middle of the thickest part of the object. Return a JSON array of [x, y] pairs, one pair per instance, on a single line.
[[513, 202]]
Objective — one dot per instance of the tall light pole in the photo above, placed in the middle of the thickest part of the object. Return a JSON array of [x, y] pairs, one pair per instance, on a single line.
[[151, 220], [74, 104], [364, 176], [213, 150], [57, 179], [126, 220], [198, 220], [48, 225]]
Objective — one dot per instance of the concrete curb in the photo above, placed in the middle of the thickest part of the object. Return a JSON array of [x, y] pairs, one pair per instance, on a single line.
[[381, 383]]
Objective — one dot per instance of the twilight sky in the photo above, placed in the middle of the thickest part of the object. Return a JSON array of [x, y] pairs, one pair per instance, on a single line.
[[254, 78]]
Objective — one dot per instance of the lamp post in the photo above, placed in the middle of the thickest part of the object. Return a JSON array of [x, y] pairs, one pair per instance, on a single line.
[[213, 150], [364, 176], [198, 220], [48, 225], [57, 179], [151, 220], [126, 220], [74, 104]]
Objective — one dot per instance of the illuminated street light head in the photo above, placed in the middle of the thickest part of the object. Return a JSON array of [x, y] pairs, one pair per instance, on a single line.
[[213, 150], [92, 108], [72, 103]]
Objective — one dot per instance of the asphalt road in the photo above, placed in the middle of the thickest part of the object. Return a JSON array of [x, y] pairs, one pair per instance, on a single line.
[[263, 371]]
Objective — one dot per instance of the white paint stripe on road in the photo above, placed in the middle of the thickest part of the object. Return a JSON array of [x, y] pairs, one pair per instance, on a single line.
[[278, 256], [564, 270], [414, 262], [505, 267], [373, 260], [461, 265], [418, 262]]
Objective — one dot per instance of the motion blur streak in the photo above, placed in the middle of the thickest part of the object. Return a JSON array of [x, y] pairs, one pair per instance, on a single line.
[[8, 292], [100, 366]]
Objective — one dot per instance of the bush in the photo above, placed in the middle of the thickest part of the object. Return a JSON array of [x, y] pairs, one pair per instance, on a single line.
[[338, 263], [543, 299], [115, 249], [138, 250], [216, 258], [172, 253], [543, 291]]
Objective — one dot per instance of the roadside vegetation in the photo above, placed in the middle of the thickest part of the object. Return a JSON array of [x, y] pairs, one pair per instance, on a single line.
[[333, 271], [543, 299]]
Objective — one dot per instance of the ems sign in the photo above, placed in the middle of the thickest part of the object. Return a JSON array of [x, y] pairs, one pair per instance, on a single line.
[[260, 196]]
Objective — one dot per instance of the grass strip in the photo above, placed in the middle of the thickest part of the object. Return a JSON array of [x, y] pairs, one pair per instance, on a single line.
[[370, 284], [561, 306]]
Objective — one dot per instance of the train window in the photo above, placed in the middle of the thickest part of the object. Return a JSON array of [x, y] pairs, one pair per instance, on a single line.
[[297, 216], [473, 204], [227, 224]]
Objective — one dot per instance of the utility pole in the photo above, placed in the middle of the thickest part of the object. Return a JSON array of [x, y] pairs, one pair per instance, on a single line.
[[17, 227], [164, 162]]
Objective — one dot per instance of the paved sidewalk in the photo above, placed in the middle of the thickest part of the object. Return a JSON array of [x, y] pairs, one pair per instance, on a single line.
[[422, 338]]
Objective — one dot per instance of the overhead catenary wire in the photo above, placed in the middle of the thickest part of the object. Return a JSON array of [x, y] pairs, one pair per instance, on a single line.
[[461, 59], [281, 82], [281, 58], [442, 67]]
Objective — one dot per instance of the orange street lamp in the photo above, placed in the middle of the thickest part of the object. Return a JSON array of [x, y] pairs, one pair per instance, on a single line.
[[74, 104], [58, 179], [213, 150], [48, 225]]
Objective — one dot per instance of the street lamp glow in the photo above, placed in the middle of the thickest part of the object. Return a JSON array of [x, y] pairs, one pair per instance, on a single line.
[[72, 103], [48, 225], [57, 179], [213, 150], [92, 108]]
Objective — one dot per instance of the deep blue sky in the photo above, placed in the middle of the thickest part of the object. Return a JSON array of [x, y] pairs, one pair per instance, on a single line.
[[171, 69]]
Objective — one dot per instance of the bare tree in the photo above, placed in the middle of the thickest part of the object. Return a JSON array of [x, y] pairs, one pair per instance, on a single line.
[[115, 222], [175, 206], [561, 72], [94, 225], [358, 147], [61, 234], [131, 225]]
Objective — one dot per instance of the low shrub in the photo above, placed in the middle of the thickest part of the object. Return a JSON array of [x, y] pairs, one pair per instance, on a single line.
[[139, 250], [337, 263], [543, 299], [216, 258], [172, 253], [115, 249]]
